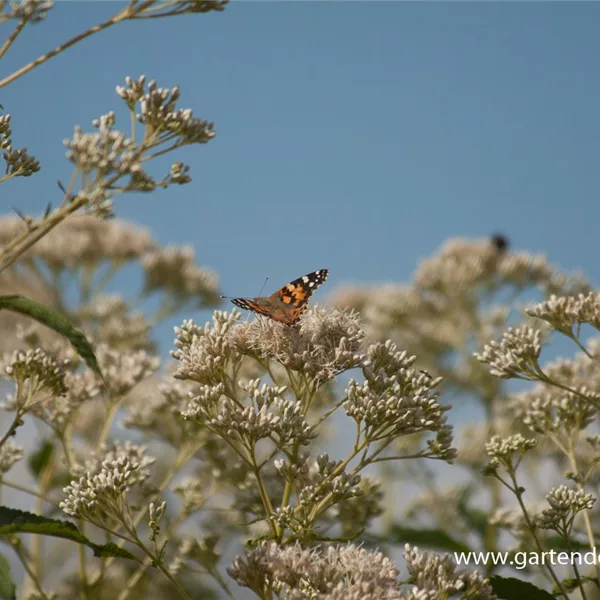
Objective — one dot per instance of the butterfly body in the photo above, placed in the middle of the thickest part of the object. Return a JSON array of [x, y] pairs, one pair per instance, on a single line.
[[287, 304]]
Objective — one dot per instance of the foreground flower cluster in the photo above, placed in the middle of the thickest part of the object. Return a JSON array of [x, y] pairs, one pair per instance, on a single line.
[[243, 411], [270, 426], [289, 461]]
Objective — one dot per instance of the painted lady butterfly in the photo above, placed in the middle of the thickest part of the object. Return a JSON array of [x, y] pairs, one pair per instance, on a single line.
[[287, 304]]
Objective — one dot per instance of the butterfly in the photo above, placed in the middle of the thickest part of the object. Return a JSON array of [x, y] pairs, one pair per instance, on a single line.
[[287, 304]]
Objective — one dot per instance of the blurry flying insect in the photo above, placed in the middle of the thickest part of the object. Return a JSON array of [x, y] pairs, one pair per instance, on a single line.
[[500, 242]]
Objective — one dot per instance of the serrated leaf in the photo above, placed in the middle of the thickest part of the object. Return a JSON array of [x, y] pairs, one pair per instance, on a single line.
[[8, 589], [431, 538], [110, 549], [511, 588], [18, 521], [55, 320], [41, 457]]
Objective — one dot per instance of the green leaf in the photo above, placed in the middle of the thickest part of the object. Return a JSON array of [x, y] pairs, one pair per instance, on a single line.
[[41, 457], [510, 588], [55, 320], [18, 521], [8, 590], [431, 538]]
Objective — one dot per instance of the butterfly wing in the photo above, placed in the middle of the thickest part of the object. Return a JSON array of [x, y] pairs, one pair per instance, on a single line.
[[294, 296], [296, 293], [281, 314], [248, 304], [287, 304]]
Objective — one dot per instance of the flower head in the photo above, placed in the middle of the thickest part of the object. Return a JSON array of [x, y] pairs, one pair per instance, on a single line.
[[31, 11], [326, 343], [507, 451], [440, 576], [515, 356], [204, 353], [175, 270], [334, 572], [124, 369], [10, 453], [101, 483], [565, 504], [94, 495], [564, 312], [36, 370]]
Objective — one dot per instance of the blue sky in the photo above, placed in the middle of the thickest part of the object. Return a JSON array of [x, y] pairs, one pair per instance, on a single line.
[[354, 136]]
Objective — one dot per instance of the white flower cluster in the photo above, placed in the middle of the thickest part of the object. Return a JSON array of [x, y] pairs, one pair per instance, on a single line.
[[397, 400], [10, 453], [506, 450], [108, 151], [18, 162], [204, 353], [565, 312], [108, 155], [553, 411], [123, 370], [515, 356], [37, 370], [115, 323], [32, 11], [116, 451], [83, 239], [98, 492], [95, 496], [565, 504], [337, 572], [459, 266], [156, 410], [173, 268], [268, 415], [159, 114], [326, 343], [437, 577], [326, 478], [349, 572]]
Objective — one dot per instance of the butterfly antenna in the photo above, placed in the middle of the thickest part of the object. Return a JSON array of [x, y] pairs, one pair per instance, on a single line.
[[263, 287], [261, 290]]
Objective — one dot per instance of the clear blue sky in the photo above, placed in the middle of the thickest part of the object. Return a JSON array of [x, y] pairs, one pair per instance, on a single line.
[[354, 136]]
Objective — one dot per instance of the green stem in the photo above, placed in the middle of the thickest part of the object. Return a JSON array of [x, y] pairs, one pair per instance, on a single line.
[[108, 421], [519, 494]]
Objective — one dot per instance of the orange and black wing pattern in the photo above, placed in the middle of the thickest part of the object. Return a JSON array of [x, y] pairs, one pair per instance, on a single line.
[[296, 293], [287, 304]]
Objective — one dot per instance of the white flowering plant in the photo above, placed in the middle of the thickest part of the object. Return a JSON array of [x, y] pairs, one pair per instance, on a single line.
[[265, 459], [471, 316]]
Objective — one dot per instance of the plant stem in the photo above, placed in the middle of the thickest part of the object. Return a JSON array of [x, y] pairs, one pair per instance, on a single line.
[[13, 36], [519, 494], [122, 15]]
